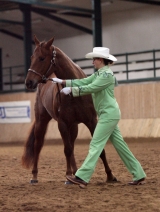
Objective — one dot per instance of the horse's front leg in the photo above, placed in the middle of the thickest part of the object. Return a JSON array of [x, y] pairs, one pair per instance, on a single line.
[[37, 147], [34, 178], [68, 147], [41, 124], [40, 131]]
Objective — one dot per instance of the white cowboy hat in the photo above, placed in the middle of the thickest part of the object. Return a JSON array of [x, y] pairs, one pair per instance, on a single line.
[[101, 52]]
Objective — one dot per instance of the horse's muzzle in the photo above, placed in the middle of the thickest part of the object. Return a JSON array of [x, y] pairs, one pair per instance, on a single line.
[[31, 85]]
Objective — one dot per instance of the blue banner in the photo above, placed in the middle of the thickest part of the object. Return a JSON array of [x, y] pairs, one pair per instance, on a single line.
[[15, 112]]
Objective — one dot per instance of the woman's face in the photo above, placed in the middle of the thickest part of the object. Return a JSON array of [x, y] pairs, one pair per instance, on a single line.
[[98, 63]]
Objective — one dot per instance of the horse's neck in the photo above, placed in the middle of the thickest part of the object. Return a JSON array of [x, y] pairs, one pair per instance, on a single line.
[[65, 68]]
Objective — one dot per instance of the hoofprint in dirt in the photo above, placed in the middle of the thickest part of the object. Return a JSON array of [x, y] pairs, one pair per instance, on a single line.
[[52, 195]]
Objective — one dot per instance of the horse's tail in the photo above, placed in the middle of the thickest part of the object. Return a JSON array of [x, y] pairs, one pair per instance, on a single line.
[[28, 154]]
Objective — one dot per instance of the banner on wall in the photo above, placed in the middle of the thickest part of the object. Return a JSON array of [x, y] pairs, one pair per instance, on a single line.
[[15, 112]]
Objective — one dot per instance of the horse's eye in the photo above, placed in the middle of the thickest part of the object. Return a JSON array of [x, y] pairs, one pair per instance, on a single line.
[[41, 58]]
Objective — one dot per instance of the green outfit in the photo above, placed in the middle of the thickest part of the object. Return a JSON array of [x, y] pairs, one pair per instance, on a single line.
[[101, 86]]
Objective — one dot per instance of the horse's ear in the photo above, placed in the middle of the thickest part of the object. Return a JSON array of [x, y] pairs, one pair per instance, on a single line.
[[36, 40], [49, 43]]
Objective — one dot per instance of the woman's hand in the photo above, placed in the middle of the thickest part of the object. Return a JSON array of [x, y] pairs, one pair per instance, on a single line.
[[57, 80], [66, 90]]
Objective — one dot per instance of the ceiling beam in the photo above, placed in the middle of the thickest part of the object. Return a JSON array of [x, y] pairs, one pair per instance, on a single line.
[[11, 22], [55, 6], [61, 20], [145, 2], [67, 12], [5, 5], [13, 35]]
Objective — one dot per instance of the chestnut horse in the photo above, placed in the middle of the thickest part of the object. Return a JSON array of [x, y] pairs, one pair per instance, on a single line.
[[47, 62]]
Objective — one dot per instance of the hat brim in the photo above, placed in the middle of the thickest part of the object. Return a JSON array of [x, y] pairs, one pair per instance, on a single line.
[[91, 55]]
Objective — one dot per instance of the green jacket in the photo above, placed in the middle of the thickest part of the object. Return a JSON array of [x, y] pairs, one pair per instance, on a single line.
[[101, 86]]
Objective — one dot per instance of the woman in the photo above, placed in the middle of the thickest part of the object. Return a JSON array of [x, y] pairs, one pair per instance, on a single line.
[[101, 86]]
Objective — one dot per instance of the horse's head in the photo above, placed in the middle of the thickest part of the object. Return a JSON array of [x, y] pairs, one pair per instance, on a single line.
[[41, 62]]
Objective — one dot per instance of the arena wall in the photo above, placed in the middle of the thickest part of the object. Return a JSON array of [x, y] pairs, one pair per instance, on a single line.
[[140, 109]]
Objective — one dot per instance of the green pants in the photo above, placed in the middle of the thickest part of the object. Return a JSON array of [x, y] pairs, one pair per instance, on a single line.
[[108, 130]]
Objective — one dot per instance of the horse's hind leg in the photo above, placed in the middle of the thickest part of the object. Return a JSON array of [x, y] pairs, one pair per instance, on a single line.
[[73, 136], [110, 177]]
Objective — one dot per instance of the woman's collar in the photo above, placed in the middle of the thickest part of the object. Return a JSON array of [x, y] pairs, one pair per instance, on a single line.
[[103, 68]]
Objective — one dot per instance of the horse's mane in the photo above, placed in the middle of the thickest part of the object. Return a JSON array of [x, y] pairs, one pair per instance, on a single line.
[[43, 42], [78, 68]]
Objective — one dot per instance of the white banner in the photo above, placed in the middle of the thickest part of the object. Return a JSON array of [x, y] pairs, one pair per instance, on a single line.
[[15, 112]]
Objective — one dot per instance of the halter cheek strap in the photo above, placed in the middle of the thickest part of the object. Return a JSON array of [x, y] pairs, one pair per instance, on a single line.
[[53, 62]]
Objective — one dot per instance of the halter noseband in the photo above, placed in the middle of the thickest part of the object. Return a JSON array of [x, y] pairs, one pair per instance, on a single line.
[[44, 78]]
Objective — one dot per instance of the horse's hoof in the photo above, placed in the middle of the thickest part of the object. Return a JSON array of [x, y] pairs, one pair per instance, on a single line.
[[112, 181], [68, 183], [33, 181]]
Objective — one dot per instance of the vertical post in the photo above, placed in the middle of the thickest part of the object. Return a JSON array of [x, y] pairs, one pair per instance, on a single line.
[[10, 78], [97, 23], [26, 10], [154, 63], [127, 73], [1, 71]]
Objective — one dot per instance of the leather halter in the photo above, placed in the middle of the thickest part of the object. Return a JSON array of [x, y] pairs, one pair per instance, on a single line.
[[44, 78]]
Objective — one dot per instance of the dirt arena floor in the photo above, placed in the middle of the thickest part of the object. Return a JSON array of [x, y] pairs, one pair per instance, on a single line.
[[52, 195]]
